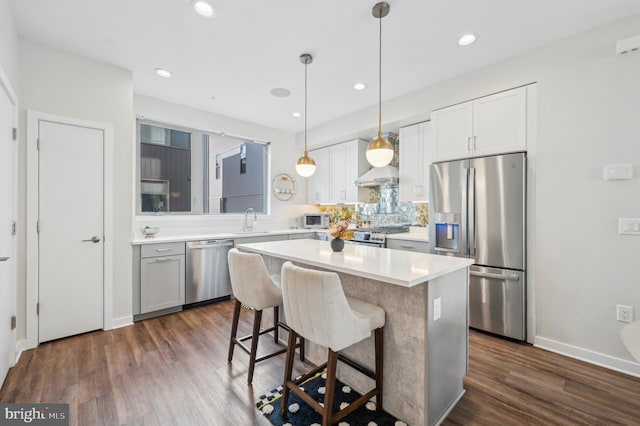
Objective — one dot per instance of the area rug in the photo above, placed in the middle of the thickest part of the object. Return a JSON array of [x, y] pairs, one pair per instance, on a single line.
[[300, 414]]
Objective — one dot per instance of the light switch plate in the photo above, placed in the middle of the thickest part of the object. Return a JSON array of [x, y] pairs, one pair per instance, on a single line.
[[437, 308], [628, 226], [617, 172]]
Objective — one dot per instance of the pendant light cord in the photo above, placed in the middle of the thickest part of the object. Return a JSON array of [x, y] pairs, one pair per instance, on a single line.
[[380, 77], [305, 108]]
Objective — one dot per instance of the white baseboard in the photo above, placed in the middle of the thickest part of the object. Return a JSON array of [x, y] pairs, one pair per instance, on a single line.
[[122, 322], [21, 346], [586, 355]]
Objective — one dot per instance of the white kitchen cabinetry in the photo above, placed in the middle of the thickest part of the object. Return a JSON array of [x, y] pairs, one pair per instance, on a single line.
[[408, 245], [162, 275], [337, 168], [305, 236], [260, 239], [416, 152], [318, 183], [490, 125]]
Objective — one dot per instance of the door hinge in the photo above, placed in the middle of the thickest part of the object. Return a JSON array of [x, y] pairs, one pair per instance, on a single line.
[[37, 226], [38, 144], [38, 308], [14, 228], [13, 322], [15, 133]]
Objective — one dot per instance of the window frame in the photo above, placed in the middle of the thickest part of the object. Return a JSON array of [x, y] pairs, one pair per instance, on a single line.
[[200, 168]]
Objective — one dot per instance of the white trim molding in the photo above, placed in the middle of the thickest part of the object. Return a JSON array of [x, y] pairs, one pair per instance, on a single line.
[[602, 360], [33, 118], [121, 322], [7, 88]]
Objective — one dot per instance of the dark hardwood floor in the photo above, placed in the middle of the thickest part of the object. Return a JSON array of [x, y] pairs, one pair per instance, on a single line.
[[173, 370]]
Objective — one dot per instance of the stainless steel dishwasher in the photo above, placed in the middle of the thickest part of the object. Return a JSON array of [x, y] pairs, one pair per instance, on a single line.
[[207, 270]]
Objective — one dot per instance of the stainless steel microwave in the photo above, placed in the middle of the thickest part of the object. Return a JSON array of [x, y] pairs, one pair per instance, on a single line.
[[316, 220]]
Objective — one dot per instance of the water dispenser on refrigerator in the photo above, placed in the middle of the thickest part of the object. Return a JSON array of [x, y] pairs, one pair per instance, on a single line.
[[447, 233]]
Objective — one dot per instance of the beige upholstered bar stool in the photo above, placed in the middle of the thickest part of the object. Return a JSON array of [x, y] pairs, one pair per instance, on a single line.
[[630, 336], [254, 288], [318, 310]]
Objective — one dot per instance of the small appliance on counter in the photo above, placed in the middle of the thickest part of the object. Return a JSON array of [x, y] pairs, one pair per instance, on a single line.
[[316, 220]]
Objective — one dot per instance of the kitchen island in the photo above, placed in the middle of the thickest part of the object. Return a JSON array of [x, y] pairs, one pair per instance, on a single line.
[[425, 335]]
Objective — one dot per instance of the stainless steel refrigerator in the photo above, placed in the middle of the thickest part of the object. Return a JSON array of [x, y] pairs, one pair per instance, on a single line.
[[478, 210]]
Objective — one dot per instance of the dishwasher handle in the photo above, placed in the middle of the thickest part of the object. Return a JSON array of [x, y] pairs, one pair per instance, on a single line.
[[202, 245]]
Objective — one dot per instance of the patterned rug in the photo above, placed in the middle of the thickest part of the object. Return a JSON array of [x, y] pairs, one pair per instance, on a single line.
[[300, 414]]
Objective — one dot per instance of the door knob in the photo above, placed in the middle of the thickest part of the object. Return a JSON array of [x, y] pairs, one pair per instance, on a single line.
[[93, 239]]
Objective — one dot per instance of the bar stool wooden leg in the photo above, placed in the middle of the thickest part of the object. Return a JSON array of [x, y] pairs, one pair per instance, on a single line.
[[302, 348], [234, 329], [330, 385], [257, 318], [276, 319], [379, 365], [288, 369]]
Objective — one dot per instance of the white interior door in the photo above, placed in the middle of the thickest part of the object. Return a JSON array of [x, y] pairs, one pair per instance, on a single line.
[[7, 244], [71, 229]]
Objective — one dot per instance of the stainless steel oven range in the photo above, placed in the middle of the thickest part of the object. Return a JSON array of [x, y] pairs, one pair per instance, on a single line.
[[367, 238]]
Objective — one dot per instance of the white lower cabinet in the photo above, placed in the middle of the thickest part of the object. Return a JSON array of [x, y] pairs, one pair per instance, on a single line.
[[162, 277], [305, 236], [408, 245]]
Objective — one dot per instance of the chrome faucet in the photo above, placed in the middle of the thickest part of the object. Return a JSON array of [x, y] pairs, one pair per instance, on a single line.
[[248, 227]]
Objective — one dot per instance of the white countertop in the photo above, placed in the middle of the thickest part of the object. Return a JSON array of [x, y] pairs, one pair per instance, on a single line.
[[397, 267], [139, 239]]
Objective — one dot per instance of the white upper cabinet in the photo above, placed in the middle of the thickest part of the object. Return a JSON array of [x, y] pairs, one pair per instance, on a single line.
[[452, 131], [337, 177], [337, 168], [416, 153], [318, 187], [490, 125], [356, 166]]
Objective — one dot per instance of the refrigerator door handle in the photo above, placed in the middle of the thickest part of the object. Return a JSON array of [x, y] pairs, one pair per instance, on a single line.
[[472, 211], [506, 277], [464, 241], [444, 250]]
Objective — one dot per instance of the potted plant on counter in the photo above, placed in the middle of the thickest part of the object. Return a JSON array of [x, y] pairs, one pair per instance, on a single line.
[[340, 217]]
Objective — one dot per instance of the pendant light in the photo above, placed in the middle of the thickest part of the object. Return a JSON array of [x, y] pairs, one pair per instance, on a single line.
[[305, 166], [380, 151]]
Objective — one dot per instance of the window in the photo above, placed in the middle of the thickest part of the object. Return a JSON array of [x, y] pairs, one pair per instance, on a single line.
[[188, 171]]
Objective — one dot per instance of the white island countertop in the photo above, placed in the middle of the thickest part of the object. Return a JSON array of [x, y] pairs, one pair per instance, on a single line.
[[402, 268]]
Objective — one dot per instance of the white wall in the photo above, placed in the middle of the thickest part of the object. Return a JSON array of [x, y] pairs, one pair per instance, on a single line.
[[60, 83], [8, 43], [284, 153], [588, 110]]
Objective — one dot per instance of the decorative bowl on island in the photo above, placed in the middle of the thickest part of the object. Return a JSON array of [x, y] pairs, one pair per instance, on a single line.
[[150, 231]]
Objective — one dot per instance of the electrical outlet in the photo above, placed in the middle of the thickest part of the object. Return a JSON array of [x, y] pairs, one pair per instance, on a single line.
[[437, 309], [624, 313]]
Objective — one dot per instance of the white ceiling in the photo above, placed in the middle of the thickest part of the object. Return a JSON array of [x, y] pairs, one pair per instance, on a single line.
[[253, 46]]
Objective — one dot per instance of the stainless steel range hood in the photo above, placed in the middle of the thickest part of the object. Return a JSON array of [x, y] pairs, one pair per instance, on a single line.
[[378, 176]]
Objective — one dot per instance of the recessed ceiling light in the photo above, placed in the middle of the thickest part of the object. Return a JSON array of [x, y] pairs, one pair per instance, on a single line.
[[280, 92], [359, 86], [203, 8], [466, 39], [163, 72], [297, 114]]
